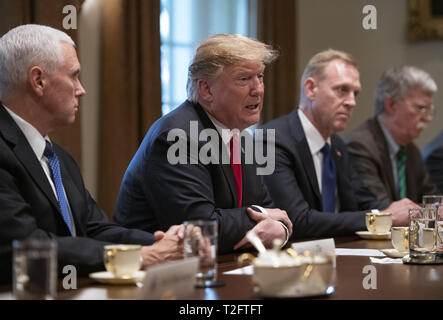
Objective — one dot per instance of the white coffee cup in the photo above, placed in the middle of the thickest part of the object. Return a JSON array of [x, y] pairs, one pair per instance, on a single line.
[[400, 238], [122, 260], [379, 222]]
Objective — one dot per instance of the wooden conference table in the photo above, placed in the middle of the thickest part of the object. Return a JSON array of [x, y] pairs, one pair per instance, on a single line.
[[394, 281]]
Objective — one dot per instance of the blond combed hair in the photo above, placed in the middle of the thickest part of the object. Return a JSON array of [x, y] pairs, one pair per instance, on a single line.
[[317, 64], [222, 50]]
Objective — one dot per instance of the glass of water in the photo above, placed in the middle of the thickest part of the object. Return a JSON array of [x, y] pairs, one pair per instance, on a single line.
[[201, 237], [436, 201], [422, 233], [34, 269]]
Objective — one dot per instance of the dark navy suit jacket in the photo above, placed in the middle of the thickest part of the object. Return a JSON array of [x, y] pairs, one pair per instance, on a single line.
[[294, 187], [29, 208], [433, 158], [156, 194]]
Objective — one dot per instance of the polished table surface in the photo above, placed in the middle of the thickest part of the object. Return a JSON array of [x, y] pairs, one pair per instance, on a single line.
[[393, 281]]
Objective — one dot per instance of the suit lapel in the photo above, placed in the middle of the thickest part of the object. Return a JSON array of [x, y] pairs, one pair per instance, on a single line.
[[24, 153], [302, 147], [340, 167], [411, 183], [226, 168], [384, 156]]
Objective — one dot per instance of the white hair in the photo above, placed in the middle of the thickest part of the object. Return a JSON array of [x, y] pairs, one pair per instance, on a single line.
[[26, 46], [396, 81]]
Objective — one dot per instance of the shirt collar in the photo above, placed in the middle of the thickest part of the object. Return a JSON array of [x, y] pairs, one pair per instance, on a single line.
[[392, 145], [35, 139], [224, 131], [314, 138]]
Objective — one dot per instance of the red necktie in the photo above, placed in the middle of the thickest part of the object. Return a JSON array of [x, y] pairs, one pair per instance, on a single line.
[[236, 166]]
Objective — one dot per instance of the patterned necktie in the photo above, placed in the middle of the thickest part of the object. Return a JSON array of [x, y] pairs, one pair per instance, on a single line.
[[236, 166], [401, 172], [54, 164], [328, 181]]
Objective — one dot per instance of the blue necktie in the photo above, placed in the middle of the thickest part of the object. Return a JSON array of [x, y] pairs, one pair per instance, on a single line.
[[328, 180], [57, 179]]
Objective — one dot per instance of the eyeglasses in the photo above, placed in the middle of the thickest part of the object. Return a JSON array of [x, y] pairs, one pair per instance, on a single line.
[[425, 110]]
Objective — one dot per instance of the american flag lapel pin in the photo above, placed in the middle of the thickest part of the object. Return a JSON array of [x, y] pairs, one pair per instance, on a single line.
[[338, 153]]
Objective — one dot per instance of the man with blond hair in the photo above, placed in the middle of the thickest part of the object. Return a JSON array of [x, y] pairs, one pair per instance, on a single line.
[[225, 96], [314, 179], [382, 147]]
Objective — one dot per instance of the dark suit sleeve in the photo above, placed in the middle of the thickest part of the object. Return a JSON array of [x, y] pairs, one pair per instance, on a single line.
[[284, 188], [353, 192], [17, 221], [186, 191], [434, 164], [367, 165]]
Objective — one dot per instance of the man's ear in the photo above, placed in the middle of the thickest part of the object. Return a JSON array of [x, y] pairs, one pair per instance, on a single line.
[[36, 80], [310, 87], [204, 90], [389, 106]]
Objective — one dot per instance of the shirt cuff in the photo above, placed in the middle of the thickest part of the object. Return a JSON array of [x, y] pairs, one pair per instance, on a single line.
[[287, 234], [263, 210]]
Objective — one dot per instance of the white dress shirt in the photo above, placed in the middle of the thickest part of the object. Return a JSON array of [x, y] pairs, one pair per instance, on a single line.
[[316, 143], [226, 135], [38, 145]]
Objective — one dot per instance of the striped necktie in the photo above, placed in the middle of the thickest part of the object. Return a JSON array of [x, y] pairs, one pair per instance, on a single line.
[[401, 171], [54, 165]]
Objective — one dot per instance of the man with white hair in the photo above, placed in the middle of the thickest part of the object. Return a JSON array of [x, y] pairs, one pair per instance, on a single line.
[[42, 194], [382, 148]]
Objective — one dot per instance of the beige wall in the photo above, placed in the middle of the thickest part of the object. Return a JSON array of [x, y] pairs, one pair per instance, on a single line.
[[89, 55], [322, 24], [338, 24]]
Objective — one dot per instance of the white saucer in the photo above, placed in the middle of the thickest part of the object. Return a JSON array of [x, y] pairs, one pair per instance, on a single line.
[[374, 236], [108, 278], [393, 253]]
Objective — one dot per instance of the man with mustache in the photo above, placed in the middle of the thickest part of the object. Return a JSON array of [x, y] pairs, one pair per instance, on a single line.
[[382, 148], [314, 180]]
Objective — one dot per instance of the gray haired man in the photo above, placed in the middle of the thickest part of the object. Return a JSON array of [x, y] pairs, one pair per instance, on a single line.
[[42, 194], [382, 148]]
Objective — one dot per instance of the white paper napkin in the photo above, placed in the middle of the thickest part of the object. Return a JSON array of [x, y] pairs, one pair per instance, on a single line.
[[248, 270], [358, 252], [385, 260]]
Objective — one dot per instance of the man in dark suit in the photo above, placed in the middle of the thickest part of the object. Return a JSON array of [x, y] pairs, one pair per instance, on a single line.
[[382, 148], [433, 158], [322, 202], [188, 165], [42, 194]]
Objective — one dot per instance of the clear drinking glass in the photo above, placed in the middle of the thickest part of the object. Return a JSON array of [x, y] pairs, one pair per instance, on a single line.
[[422, 234], [436, 201], [200, 240], [34, 269]]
